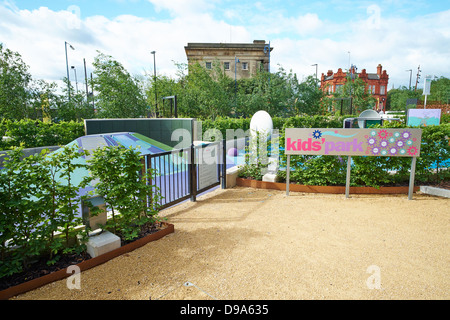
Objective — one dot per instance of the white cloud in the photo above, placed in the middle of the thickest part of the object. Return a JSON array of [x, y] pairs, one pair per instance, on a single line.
[[299, 40], [183, 7]]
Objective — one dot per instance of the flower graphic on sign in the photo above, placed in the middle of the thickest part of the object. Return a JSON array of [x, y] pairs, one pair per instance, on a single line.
[[391, 140], [392, 150], [412, 151], [371, 141], [383, 134], [409, 142], [384, 143], [383, 152], [376, 151], [406, 135], [402, 151], [317, 134], [400, 143], [373, 133]]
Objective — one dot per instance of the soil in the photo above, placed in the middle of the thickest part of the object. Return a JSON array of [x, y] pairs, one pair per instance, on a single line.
[[40, 268], [245, 243]]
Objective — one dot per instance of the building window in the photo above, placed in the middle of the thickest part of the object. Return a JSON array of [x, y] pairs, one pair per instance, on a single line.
[[244, 65], [339, 88], [382, 90], [226, 65], [372, 88], [208, 65]]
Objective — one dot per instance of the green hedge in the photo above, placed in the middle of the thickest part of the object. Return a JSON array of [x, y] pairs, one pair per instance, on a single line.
[[222, 124], [431, 167], [35, 133], [374, 171]]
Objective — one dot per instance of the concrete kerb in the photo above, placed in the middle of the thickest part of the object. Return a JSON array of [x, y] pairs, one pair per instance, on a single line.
[[440, 192]]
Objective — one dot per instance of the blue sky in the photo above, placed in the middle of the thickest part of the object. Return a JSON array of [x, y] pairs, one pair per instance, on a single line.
[[400, 35]]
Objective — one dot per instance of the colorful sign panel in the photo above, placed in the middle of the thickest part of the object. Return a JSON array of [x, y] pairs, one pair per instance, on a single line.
[[424, 117], [399, 142]]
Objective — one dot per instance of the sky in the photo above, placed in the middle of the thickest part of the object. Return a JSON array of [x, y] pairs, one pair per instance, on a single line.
[[398, 34]]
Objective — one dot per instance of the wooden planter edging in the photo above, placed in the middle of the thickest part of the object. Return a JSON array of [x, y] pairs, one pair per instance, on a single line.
[[321, 189], [85, 265]]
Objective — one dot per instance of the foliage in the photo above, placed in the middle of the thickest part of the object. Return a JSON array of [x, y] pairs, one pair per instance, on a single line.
[[317, 121], [439, 90], [361, 99], [396, 98], [119, 180], [39, 201], [368, 171], [35, 133], [209, 94], [14, 82], [119, 94]]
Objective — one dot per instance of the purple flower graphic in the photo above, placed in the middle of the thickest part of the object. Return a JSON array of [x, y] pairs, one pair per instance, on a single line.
[[392, 150], [384, 143], [406, 135]]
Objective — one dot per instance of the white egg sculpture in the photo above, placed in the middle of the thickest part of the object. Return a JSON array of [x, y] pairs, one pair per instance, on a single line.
[[261, 123]]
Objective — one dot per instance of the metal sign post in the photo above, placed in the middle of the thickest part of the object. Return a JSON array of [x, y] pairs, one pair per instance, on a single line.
[[347, 183], [288, 171], [411, 178]]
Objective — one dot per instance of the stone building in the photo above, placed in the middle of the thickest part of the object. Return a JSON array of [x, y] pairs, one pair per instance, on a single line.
[[240, 60], [376, 83]]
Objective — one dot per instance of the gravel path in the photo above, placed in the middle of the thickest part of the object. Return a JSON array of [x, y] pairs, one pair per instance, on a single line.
[[245, 243]]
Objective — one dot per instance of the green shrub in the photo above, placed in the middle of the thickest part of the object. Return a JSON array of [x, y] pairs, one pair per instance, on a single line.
[[35, 133], [39, 202]]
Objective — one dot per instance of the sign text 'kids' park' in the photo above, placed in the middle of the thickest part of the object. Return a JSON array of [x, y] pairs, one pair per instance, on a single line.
[[399, 142]]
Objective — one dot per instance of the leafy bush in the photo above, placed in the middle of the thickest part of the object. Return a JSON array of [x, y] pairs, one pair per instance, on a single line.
[[369, 171], [35, 133], [39, 202], [123, 186]]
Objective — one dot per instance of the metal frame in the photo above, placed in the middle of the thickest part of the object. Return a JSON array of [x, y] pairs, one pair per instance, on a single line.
[[179, 179]]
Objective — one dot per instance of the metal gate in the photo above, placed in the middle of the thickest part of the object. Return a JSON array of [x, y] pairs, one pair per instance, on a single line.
[[182, 174]]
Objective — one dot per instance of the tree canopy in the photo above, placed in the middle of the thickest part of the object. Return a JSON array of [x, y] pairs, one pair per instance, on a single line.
[[201, 93]]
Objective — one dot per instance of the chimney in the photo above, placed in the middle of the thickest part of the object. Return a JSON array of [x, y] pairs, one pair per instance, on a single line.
[[379, 68]]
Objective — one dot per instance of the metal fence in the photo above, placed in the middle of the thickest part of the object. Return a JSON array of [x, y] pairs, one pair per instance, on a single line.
[[182, 174]]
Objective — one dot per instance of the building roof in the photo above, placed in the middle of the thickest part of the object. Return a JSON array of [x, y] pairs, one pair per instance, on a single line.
[[256, 45]]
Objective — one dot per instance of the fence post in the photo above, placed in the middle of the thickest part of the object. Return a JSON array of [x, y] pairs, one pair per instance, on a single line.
[[193, 174], [224, 164]]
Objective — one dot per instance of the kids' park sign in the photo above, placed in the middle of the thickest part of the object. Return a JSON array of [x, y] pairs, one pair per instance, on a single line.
[[398, 142]]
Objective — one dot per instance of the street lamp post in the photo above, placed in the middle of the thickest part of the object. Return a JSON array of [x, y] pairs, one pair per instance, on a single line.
[[154, 80], [76, 80], [315, 64], [67, 66], [410, 75]]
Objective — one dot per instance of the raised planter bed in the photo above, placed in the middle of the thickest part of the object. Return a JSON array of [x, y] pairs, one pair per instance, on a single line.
[[85, 265], [321, 189]]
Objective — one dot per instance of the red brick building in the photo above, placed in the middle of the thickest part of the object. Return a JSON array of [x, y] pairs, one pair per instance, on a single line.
[[376, 83]]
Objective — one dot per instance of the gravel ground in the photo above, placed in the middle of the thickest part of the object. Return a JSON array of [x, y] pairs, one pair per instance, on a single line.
[[245, 243]]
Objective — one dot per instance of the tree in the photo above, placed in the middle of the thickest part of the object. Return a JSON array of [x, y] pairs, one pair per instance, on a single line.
[[14, 83], [205, 93], [360, 100], [440, 90], [397, 98], [119, 93], [309, 98]]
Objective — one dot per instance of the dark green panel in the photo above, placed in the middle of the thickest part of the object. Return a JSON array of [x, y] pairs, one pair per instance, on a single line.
[[157, 129]]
